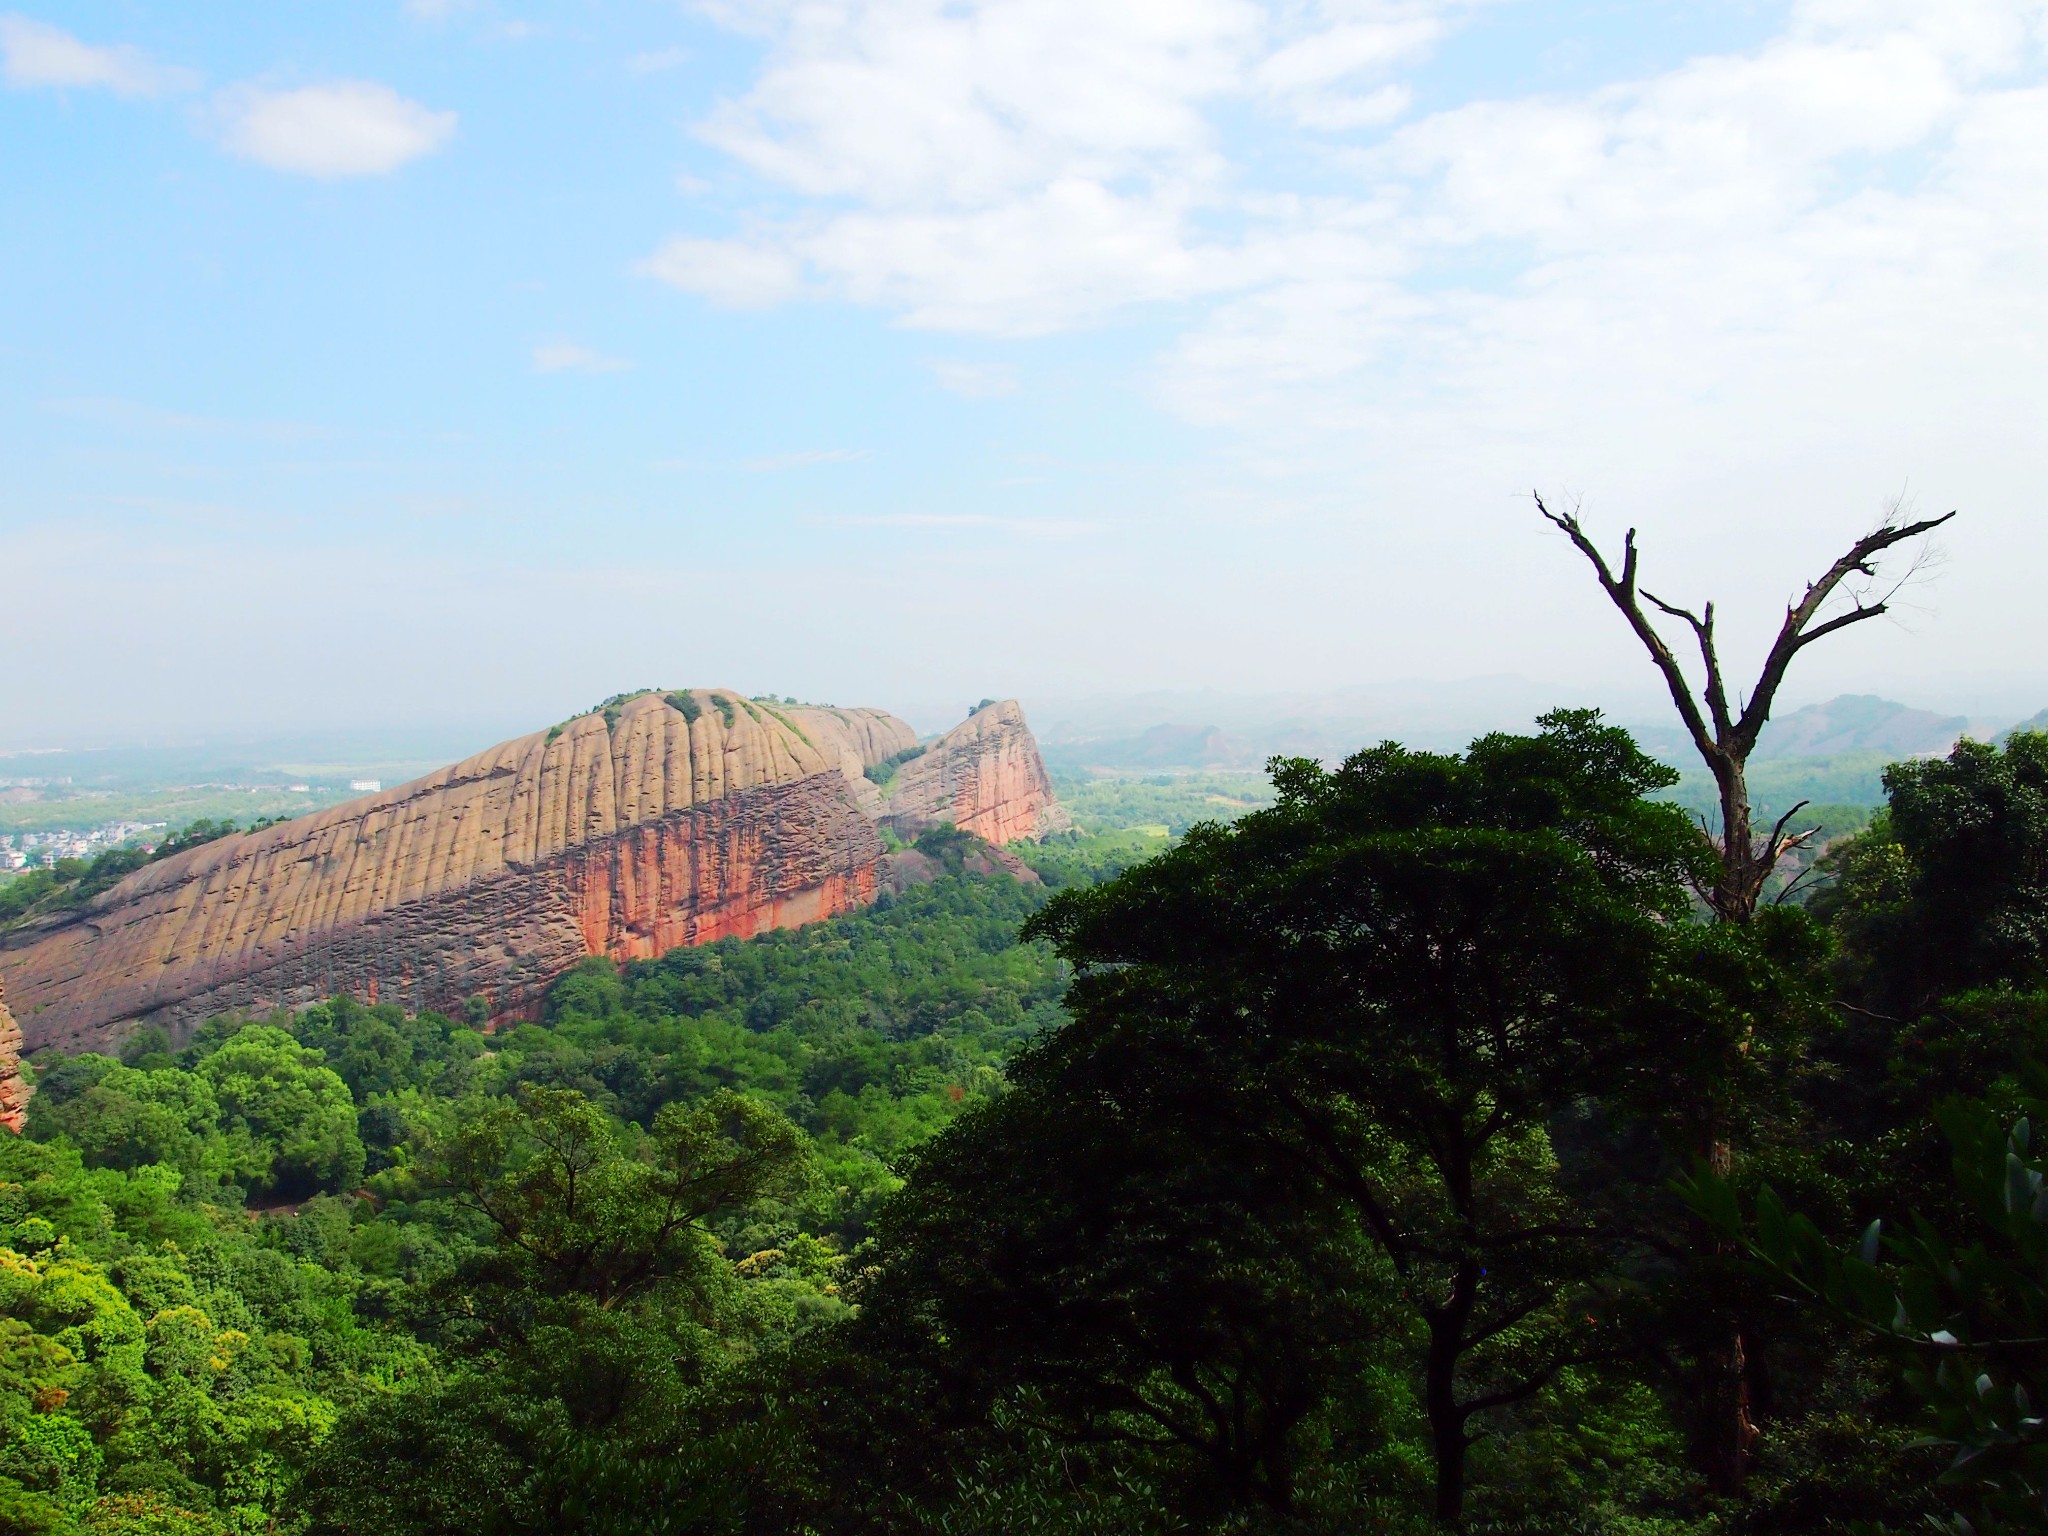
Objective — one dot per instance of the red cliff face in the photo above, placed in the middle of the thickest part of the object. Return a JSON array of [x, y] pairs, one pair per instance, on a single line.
[[14, 1088], [681, 820], [984, 776]]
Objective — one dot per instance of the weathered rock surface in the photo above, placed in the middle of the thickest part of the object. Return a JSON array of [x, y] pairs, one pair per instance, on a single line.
[[984, 776], [857, 740], [661, 827], [14, 1088], [660, 821]]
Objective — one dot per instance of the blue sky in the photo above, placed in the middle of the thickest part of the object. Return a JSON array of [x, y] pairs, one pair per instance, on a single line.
[[470, 361]]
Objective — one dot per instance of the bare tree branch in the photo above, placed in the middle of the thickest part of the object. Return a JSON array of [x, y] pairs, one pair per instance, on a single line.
[[1793, 634], [1777, 843], [1623, 594], [1715, 692]]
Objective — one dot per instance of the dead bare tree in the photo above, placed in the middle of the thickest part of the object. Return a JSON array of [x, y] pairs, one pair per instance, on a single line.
[[1725, 735]]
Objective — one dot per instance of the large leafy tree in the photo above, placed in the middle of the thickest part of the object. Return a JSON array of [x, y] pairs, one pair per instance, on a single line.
[[578, 1207], [289, 1118], [1371, 1000], [1107, 1258]]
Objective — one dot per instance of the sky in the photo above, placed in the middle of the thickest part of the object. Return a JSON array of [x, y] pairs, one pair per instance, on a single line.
[[452, 361]]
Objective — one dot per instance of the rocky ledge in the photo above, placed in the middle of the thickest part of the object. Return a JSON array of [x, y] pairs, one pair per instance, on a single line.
[[14, 1089]]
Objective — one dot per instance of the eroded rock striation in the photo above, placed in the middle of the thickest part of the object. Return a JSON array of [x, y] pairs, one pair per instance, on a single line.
[[659, 821], [14, 1089], [984, 776]]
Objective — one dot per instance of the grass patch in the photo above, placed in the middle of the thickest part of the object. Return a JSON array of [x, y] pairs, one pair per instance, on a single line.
[[802, 734], [883, 773]]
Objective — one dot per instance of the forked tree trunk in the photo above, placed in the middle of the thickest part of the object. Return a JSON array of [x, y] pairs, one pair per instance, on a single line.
[[1723, 1430]]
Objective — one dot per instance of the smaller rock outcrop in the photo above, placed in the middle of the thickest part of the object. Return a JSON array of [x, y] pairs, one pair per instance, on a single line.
[[14, 1089], [968, 855], [984, 776]]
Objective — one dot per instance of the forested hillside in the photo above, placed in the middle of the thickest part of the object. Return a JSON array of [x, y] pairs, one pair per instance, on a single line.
[[1401, 1156]]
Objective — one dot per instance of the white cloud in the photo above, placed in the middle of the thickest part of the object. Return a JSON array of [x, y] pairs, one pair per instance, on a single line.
[[1020, 166], [975, 381], [1745, 294], [733, 272], [1718, 231], [568, 357], [906, 104], [1323, 58], [1728, 240], [38, 54], [343, 128], [655, 61]]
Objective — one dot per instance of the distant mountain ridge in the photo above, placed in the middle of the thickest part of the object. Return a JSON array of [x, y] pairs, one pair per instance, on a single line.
[[1860, 722], [2034, 722], [1847, 725]]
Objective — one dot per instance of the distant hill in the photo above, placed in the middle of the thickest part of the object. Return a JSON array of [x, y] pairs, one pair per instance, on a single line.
[[1860, 722], [2034, 722], [1835, 750], [1160, 746]]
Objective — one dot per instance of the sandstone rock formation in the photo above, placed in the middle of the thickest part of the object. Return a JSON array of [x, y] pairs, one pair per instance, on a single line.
[[659, 821], [984, 776], [14, 1088], [679, 820]]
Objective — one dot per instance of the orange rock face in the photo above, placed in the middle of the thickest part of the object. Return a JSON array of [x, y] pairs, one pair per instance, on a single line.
[[984, 776], [665, 826], [14, 1089]]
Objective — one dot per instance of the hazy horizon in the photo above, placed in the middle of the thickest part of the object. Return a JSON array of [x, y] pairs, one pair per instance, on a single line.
[[1419, 712]]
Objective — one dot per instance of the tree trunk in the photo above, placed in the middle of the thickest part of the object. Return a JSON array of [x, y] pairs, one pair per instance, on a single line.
[[1723, 1430], [1440, 1393], [1735, 893]]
